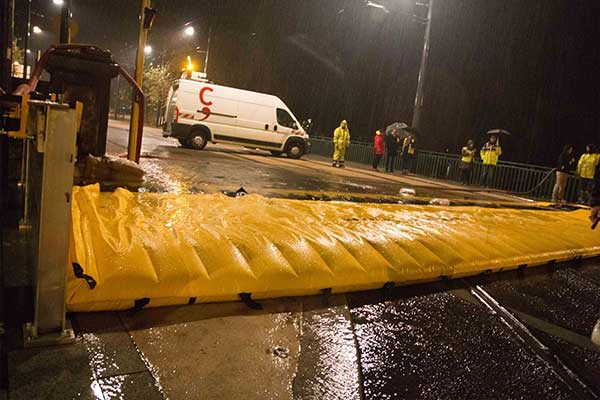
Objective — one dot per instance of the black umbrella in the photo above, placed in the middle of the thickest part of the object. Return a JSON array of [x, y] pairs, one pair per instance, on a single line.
[[498, 132], [398, 126]]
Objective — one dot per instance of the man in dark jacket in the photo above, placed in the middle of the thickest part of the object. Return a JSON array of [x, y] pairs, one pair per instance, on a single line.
[[595, 199], [595, 218], [391, 150]]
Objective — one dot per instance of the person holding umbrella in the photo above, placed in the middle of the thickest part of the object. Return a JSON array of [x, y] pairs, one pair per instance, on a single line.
[[341, 140], [490, 152], [392, 142]]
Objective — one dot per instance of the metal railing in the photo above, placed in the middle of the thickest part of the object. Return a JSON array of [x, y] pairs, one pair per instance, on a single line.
[[516, 178]]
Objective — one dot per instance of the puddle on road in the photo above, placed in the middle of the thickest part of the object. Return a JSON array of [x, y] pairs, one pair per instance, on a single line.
[[157, 180], [359, 186], [100, 360], [328, 363]]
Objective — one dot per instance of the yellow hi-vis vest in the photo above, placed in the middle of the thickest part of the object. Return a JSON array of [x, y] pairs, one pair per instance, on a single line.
[[490, 154], [587, 165], [409, 146], [467, 155]]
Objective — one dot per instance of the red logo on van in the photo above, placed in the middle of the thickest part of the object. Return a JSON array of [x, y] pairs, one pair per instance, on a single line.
[[202, 99], [205, 110]]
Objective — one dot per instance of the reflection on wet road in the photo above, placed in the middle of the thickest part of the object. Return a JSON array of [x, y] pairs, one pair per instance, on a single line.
[[438, 346], [328, 367], [171, 168], [433, 341]]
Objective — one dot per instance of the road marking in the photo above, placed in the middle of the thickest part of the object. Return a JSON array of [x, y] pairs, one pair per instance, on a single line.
[[558, 331]]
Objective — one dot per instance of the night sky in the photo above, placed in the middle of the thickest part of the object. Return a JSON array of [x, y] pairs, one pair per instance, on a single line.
[[528, 66]]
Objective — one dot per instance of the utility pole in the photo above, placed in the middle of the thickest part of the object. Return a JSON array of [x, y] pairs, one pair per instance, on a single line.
[[7, 25], [65, 23], [147, 15], [416, 122], [6, 64], [207, 50], [118, 101], [26, 39]]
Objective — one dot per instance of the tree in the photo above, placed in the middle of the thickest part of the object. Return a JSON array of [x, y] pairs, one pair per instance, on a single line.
[[18, 54], [18, 58], [120, 97], [156, 84]]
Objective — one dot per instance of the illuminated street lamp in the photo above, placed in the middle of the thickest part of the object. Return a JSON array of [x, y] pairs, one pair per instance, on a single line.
[[189, 31], [58, 2], [190, 64], [379, 6], [37, 30], [148, 50]]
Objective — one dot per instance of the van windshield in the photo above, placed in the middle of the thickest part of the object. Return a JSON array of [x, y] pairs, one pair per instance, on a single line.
[[285, 119]]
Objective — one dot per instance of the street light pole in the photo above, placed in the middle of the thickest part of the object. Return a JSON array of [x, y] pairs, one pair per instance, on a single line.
[[416, 122], [207, 49], [65, 23], [26, 39], [132, 150]]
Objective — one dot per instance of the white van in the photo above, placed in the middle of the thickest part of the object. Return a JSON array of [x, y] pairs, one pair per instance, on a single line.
[[199, 112]]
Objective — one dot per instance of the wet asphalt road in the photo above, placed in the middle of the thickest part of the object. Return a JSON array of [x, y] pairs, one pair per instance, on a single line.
[[435, 341], [431, 341], [218, 168], [438, 341]]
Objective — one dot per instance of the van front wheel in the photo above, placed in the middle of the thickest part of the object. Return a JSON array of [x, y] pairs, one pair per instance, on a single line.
[[295, 149], [198, 139]]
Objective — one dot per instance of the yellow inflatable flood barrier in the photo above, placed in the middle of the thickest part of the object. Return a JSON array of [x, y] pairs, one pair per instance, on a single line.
[[160, 249]]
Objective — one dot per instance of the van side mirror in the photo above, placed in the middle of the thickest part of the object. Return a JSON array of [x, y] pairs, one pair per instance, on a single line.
[[294, 125]]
